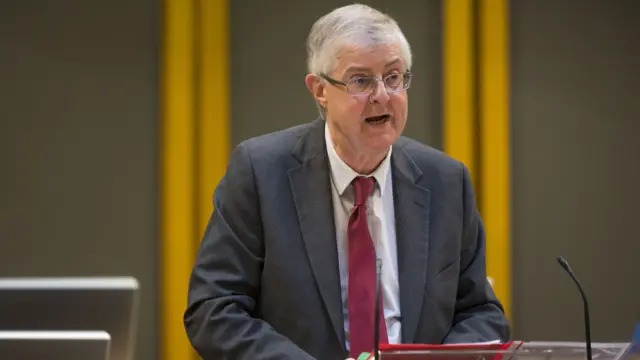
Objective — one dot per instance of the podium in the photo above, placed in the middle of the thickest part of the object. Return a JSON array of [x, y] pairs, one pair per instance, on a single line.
[[515, 350]]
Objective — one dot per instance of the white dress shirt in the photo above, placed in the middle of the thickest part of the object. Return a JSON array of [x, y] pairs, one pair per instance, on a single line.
[[381, 221]]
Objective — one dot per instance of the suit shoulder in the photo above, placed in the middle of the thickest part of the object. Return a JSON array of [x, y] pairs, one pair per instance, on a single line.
[[428, 157], [276, 143], [442, 173]]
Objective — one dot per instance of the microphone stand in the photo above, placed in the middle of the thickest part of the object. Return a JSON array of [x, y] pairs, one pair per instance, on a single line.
[[587, 325], [376, 316]]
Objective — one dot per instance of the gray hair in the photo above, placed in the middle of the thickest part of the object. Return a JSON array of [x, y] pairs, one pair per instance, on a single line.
[[355, 24]]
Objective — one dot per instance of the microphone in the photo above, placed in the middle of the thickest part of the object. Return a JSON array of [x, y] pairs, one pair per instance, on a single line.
[[376, 316], [587, 325]]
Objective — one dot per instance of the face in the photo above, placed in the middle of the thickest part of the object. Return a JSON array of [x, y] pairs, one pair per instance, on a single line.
[[355, 120]]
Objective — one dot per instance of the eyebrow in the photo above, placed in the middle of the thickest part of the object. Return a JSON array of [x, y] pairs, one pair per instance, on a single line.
[[361, 68]]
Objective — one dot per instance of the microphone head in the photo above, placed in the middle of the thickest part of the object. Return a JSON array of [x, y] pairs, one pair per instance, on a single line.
[[564, 263]]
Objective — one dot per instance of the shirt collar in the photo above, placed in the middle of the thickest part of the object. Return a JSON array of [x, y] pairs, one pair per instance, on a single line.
[[343, 175]]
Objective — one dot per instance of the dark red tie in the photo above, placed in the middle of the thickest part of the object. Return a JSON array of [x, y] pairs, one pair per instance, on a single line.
[[362, 274]]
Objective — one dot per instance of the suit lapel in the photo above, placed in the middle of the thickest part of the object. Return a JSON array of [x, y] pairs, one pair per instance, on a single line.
[[411, 204], [311, 189]]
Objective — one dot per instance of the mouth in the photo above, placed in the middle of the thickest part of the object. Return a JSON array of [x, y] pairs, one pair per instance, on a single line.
[[376, 120]]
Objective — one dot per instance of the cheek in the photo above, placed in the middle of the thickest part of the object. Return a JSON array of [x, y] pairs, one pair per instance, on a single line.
[[400, 105], [346, 106], [352, 108]]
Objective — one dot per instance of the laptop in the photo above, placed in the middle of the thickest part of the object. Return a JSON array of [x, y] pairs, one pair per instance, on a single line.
[[73, 304]]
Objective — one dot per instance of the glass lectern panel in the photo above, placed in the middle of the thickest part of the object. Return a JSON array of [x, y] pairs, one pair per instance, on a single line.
[[512, 351]]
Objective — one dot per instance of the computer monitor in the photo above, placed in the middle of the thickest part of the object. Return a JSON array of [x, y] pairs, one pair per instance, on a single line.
[[73, 304], [54, 345]]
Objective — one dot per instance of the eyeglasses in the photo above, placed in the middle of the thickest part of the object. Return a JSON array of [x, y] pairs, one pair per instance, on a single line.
[[365, 85]]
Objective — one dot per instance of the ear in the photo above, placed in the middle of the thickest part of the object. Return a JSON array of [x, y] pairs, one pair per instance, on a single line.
[[317, 88]]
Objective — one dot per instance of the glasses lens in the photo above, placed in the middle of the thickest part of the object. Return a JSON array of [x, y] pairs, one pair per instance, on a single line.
[[360, 85], [394, 81]]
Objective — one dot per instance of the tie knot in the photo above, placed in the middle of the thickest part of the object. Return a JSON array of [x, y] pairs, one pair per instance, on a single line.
[[362, 187]]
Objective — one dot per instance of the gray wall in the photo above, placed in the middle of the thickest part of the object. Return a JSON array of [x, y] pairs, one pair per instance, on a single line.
[[268, 64], [576, 125], [78, 143]]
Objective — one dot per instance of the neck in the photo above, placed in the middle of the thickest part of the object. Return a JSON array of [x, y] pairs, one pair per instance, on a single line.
[[362, 163]]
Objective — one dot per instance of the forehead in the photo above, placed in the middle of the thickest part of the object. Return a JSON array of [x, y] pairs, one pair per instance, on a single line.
[[373, 58]]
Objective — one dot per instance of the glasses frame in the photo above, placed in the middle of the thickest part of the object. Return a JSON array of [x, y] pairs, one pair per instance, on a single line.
[[335, 82]]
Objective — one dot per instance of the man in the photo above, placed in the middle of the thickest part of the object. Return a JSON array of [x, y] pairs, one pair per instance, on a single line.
[[287, 266]]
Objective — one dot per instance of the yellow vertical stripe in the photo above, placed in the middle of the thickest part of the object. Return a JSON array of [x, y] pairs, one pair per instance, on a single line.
[[213, 127], [494, 105], [459, 97], [195, 147], [177, 182]]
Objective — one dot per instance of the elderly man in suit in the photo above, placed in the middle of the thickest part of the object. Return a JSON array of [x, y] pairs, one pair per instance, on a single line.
[[287, 265]]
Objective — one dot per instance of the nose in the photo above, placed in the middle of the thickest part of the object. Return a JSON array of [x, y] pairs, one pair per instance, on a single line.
[[379, 94]]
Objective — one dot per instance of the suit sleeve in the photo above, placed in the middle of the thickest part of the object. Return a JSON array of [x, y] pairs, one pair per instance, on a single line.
[[220, 318], [479, 316]]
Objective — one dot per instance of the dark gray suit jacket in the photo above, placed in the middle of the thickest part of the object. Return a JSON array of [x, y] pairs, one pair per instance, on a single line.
[[265, 283]]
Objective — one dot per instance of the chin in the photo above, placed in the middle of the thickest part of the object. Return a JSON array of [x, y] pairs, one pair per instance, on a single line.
[[381, 143]]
